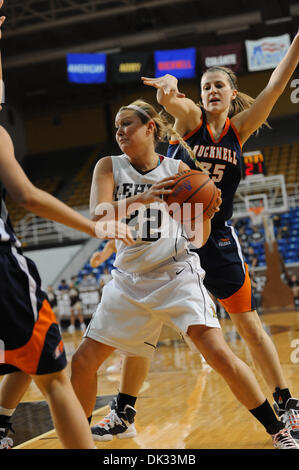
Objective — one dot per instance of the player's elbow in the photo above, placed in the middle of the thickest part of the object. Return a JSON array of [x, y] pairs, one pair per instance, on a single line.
[[275, 89], [25, 197]]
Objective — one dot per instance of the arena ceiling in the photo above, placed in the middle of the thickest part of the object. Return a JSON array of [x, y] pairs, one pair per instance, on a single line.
[[38, 33]]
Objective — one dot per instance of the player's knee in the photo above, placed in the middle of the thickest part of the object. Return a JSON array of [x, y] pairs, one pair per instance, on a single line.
[[80, 362], [223, 361], [252, 332]]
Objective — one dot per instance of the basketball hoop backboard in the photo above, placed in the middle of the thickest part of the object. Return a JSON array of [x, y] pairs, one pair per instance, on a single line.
[[271, 189], [260, 197]]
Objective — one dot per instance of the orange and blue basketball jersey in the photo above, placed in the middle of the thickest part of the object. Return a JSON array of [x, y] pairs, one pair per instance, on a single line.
[[221, 257], [30, 339], [221, 158]]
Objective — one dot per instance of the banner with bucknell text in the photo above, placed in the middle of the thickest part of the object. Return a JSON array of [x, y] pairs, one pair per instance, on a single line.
[[178, 62]]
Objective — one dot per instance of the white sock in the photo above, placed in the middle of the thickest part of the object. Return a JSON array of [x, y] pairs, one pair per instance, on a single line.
[[6, 411]]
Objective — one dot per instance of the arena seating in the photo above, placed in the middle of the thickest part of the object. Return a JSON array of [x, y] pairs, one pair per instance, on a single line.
[[87, 269], [283, 159], [286, 229]]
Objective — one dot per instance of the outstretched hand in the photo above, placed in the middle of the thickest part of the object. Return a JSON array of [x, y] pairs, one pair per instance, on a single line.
[[167, 83]]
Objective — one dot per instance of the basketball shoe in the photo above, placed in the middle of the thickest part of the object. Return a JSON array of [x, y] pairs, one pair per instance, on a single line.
[[5, 441], [116, 423], [284, 440], [290, 416]]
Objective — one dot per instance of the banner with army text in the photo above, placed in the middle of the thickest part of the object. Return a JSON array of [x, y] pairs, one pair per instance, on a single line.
[[130, 66]]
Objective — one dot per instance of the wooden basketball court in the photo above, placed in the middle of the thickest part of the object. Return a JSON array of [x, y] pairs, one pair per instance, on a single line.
[[184, 404]]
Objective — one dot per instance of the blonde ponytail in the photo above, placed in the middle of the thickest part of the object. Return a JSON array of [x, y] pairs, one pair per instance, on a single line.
[[189, 150]]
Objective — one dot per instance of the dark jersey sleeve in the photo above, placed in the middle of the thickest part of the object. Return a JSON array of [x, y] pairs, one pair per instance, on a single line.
[[178, 152]]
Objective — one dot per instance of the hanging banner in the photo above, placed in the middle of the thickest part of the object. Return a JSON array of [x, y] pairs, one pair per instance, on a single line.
[[226, 55], [129, 67], [178, 62], [266, 53], [86, 68]]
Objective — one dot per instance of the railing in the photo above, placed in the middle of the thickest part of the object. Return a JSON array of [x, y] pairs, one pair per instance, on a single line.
[[35, 231]]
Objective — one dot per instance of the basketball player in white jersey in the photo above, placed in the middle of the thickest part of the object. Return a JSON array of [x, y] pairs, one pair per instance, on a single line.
[[156, 281]]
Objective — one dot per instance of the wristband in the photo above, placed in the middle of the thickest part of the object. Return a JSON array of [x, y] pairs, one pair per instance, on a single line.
[[2, 92]]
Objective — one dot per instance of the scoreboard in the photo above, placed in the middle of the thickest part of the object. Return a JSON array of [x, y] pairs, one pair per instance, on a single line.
[[253, 163]]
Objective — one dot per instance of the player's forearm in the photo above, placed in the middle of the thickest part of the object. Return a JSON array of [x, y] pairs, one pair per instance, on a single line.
[[2, 96], [116, 210], [1, 73], [165, 99], [47, 206], [108, 250], [285, 69]]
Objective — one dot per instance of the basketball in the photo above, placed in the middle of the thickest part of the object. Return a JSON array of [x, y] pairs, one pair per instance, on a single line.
[[192, 187]]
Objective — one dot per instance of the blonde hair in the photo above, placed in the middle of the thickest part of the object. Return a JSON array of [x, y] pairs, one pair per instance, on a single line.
[[163, 128], [242, 101]]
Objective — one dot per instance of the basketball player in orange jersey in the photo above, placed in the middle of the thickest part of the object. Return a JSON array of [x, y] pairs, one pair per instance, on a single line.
[[216, 129], [30, 341], [157, 281]]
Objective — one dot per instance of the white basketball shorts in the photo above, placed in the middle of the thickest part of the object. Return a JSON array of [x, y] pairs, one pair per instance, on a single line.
[[134, 307]]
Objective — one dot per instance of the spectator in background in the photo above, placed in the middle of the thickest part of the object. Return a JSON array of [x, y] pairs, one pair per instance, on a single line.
[[239, 223], [283, 232], [88, 282], [52, 297], [257, 295], [243, 237], [93, 281], [294, 285], [63, 285], [252, 257], [84, 284], [75, 281], [76, 309], [106, 276], [256, 235], [276, 220]]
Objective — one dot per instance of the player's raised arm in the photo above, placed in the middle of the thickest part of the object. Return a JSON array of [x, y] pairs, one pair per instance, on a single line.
[[175, 102]]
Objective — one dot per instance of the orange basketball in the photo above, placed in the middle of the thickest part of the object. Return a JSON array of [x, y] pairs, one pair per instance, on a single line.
[[191, 187]]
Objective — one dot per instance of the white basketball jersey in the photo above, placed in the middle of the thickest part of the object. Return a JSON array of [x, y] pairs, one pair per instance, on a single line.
[[158, 236]]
